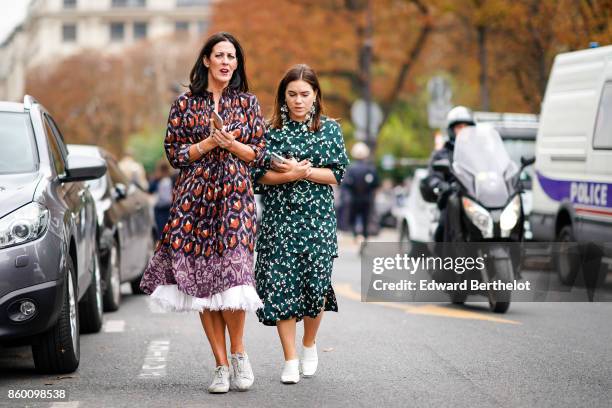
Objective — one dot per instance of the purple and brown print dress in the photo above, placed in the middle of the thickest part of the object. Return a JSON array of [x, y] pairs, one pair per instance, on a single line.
[[204, 259]]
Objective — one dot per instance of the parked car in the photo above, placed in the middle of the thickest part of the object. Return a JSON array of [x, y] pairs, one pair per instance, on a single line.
[[126, 227], [418, 219], [50, 286], [572, 199]]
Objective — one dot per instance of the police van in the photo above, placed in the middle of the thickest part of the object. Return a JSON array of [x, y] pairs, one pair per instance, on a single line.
[[572, 190]]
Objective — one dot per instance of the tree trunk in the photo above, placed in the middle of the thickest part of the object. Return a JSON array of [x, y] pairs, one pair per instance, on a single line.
[[482, 59]]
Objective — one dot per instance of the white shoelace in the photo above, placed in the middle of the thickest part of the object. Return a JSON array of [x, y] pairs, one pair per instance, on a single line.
[[241, 358], [219, 374]]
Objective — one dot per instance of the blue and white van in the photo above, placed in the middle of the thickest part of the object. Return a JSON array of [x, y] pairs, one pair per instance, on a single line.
[[572, 190]]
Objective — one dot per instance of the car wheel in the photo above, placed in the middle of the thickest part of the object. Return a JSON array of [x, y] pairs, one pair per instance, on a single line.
[[404, 237], [58, 350], [568, 261], [91, 308], [135, 284], [112, 295]]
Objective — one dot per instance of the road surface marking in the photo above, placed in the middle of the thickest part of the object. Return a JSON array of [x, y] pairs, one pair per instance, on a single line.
[[345, 290], [154, 365], [114, 326]]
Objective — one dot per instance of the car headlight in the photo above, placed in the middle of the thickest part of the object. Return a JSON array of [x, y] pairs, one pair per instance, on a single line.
[[23, 225], [510, 215], [480, 217]]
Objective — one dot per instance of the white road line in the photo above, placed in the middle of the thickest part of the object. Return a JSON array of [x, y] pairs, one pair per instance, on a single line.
[[71, 404], [154, 365], [114, 326], [155, 307]]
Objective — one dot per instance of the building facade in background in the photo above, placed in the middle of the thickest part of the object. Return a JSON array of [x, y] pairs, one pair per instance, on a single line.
[[55, 29]]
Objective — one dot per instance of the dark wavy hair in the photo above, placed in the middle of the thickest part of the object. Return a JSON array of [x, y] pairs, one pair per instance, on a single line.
[[295, 73], [199, 73]]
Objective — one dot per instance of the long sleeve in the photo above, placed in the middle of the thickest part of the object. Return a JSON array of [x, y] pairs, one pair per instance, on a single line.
[[338, 158], [257, 125], [175, 142]]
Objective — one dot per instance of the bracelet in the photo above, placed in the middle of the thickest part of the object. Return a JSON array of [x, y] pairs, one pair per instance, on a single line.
[[199, 149]]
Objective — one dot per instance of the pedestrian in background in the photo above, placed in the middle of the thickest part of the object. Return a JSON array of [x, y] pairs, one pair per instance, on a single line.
[[161, 187], [361, 181], [133, 169], [204, 260], [297, 242]]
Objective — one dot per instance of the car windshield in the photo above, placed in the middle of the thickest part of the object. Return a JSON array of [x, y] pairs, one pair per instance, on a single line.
[[18, 153]]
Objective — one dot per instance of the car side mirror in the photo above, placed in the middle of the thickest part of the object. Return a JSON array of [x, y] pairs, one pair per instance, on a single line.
[[442, 165], [121, 191], [83, 168]]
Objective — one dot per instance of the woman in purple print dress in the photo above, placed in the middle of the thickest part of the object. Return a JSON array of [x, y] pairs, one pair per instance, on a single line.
[[204, 259]]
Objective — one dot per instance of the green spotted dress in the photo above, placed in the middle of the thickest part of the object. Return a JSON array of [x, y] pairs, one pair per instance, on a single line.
[[296, 238]]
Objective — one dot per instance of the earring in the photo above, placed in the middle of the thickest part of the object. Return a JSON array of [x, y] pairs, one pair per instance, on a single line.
[[311, 114], [284, 109]]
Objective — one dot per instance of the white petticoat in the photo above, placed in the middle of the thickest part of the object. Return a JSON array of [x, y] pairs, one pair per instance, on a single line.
[[241, 297]]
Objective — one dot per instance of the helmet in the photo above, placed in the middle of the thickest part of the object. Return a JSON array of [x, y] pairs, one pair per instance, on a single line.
[[360, 151], [457, 115]]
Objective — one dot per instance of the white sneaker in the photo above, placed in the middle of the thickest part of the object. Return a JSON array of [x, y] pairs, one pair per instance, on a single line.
[[242, 374], [310, 360], [291, 372], [221, 380]]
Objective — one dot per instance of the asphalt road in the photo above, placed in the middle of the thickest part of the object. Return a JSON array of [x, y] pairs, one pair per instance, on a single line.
[[387, 354]]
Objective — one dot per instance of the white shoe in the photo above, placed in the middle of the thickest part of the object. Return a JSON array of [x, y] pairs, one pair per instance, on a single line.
[[291, 372], [221, 380], [242, 374], [310, 360]]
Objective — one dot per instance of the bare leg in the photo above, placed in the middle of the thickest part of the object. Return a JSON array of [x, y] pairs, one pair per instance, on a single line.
[[214, 327], [235, 327], [286, 332], [311, 327]]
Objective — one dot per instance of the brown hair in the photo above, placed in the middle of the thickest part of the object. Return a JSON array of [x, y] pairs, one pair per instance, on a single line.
[[298, 72]]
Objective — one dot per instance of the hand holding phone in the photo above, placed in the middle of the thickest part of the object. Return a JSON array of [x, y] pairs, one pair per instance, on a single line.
[[277, 158], [217, 121]]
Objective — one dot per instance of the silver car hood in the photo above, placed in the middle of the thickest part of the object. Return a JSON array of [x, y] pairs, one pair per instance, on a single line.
[[16, 190]]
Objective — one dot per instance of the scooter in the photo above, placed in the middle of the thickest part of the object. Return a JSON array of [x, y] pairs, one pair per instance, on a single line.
[[484, 214]]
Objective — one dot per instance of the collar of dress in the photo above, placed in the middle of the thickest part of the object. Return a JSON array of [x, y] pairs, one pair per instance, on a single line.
[[295, 129]]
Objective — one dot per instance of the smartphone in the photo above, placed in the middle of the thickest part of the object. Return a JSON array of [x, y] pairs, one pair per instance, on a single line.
[[277, 158], [216, 120]]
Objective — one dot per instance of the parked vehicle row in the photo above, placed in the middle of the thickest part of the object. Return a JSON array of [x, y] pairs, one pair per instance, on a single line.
[[56, 237], [126, 228]]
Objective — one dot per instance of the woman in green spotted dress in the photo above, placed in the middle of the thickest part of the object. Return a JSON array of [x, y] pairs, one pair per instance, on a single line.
[[296, 241]]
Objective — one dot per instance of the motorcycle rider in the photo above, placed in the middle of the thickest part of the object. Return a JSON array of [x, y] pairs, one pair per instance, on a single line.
[[437, 185]]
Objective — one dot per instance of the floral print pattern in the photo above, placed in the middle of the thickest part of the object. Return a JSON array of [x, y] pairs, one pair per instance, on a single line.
[[207, 245], [297, 241], [294, 286]]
